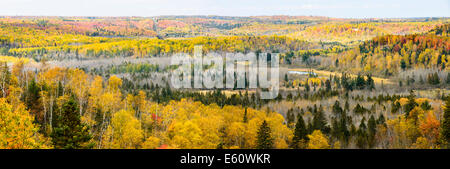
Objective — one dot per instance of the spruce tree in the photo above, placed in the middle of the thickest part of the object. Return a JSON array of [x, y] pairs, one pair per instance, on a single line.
[[381, 120], [370, 82], [362, 140], [372, 128], [411, 103], [337, 110], [264, 138], [343, 129], [319, 122], [68, 131], [300, 132], [360, 82], [446, 122]]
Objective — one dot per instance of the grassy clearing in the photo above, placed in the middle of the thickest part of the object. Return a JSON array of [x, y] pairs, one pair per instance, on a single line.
[[325, 73]]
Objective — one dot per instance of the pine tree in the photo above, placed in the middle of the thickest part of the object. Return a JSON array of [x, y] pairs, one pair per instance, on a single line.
[[69, 132], [300, 132], [265, 140]]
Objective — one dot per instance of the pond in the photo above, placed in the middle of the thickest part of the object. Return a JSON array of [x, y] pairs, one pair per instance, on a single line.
[[301, 72]]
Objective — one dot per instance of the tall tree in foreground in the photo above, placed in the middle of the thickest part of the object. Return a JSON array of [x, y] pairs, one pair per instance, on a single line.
[[446, 123], [125, 131], [300, 133], [265, 140], [69, 132], [17, 130]]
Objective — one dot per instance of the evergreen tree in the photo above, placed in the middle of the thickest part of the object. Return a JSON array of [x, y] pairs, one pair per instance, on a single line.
[[328, 85], [360, 83], [337, 110], [448, 78], [361, 140], [446, 123], [32, 98], [264, 138], [310, 126], [407, 80], [346, 106], [307, 87], [245, 120], [370, 82], [372, 128], [343, 130], [411, 103], [421, 80], [290, 119], [425, 105], [68, 131], [436, 79], [381, 120], [319, 122], [223, 135], [403, 64], [300, 132]]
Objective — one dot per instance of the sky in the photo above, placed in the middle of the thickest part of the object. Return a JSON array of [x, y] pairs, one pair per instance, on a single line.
[[330, 8]]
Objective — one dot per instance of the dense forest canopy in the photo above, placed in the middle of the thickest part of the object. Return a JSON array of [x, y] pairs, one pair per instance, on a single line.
[[102, 82]]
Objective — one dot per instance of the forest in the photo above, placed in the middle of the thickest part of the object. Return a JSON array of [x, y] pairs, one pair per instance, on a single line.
[[103, 83]]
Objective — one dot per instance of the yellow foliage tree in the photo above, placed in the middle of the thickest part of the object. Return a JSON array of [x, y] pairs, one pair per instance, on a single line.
[[124, 131], [317, 141], [17, 130]]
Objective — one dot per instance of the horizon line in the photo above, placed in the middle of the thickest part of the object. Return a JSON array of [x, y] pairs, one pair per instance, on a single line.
[[240, 16]]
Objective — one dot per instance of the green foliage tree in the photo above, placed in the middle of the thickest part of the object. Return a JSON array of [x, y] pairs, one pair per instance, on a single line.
[[319, 121], [411, 103], [300, 133], [264, 138], [446, 123], [68, 131], [372, 129]]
